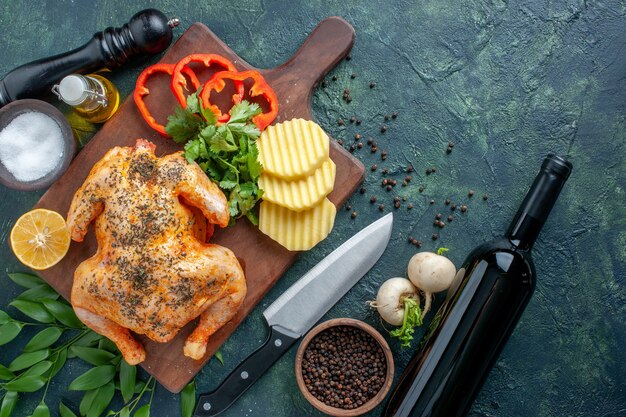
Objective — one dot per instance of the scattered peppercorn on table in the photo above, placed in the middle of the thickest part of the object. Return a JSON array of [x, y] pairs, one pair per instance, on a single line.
[[447, 105]]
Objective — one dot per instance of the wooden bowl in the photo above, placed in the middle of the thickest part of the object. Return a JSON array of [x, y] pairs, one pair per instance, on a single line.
[[14, 109], [372, 402]]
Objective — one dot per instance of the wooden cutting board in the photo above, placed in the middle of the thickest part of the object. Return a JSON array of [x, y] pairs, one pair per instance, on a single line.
[[264, 260]]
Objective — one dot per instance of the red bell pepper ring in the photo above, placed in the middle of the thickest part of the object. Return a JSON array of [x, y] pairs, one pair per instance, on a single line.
[[179, 83], [258, 88], [141, 91]]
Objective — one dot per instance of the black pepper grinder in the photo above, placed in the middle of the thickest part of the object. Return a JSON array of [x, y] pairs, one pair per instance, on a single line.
[[148, 32]]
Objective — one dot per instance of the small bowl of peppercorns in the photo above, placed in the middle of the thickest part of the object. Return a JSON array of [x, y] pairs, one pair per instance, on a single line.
[[344, 367]]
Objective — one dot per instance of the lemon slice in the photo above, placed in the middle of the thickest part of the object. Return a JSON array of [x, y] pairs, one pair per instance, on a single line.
[[40, 238]]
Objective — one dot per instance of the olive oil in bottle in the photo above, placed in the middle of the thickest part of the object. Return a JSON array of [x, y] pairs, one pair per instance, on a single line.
[[93, 97]]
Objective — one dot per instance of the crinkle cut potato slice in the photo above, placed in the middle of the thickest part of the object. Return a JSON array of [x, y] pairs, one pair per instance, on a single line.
[[300, 194], [297, 231], [293, 149]]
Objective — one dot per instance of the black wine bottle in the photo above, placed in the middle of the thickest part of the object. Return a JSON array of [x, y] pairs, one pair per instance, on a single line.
[[482, 307]]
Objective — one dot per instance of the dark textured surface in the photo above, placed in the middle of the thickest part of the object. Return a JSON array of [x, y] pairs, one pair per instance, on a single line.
[[507, 82]]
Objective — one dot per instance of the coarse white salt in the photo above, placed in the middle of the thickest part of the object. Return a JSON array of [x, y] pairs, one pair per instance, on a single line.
[[31, 146]]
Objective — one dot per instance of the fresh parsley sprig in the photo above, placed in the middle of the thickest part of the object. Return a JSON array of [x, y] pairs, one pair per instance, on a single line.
[[226, 153]]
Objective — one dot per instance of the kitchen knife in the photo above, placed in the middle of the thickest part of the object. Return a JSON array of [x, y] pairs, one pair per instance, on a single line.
[[300, 307]]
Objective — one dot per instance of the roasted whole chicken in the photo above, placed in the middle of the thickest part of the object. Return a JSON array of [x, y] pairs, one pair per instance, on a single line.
[[150, 273]]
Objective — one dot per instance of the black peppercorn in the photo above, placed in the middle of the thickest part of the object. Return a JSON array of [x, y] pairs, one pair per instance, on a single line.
[[343, 367], [409, 206], [372, 85], [470, 193], [357, 136], [463, 208], [362, 190], [450, 218], [358, 122], [353, 76], [383, 128], [353, 215], [381, 207], [394, 115], [352, 119], [435, 236], [485, 196], [374, 167], [447, 202], [389, 187], [324, 84], [432, 201], [340, 122], [334, 78], [373, 199]]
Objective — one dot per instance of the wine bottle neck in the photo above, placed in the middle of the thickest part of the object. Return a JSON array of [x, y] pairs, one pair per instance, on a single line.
[[538, 203]]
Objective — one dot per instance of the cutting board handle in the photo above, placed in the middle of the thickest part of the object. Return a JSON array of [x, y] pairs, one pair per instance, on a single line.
[[329, 43]]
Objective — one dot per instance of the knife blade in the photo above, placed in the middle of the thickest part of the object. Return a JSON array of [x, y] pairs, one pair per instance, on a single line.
[[300, 307]]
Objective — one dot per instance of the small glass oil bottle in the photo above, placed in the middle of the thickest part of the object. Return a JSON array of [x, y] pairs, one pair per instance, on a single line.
[[93, 97]]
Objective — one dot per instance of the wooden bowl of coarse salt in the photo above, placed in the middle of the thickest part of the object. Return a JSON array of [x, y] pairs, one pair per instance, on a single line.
[[36, 144]]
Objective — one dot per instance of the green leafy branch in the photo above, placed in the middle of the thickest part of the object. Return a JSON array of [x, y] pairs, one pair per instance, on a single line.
[[44, 356]]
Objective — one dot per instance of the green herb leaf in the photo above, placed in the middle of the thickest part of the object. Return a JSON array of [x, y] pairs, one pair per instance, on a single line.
[[183, 125], [38, 369], [63, 313], [90, 339], [33, 310], [128, 375], [8, 404], [219, 357], [193, 102], [38, 293], [188, 399], [93, 356], [26, 384], [144, 411], [243, 112], [9, 332], [106, 344], [4, 317], [58, 360], [412, 318], [441, 251], [65, 411], [26, 280], [42, 410], [43, 339], [93, 378], [85, 403], [244, 129], [207, 114], [103, 399], [125, 412], [5, 373], [25, 360]]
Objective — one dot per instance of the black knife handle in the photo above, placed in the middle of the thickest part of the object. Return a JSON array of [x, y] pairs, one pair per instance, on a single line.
[[246, 373]]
